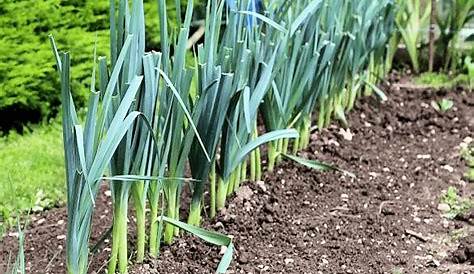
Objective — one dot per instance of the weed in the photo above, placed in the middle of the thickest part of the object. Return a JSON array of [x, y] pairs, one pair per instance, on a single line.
[[458, 205]]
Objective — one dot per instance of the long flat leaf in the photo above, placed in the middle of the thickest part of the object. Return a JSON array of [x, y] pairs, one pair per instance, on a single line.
[[210, 237], [263, 139], [318, 165]]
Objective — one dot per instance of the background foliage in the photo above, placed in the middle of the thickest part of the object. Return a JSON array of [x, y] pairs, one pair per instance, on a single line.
[[28, 80]]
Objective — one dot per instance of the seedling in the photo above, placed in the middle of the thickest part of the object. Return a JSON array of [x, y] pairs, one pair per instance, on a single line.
[[397, 271], [467, 153], [442, 105]]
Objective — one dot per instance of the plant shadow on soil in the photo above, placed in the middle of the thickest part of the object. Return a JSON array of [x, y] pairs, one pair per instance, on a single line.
[[303, 221]]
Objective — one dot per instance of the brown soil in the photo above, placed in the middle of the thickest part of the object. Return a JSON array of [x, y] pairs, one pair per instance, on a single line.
[[465, 251], [298, 220]]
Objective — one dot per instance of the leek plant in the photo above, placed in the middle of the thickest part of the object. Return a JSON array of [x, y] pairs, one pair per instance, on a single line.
[[131, 153], [237, 140], [452, 16], [371, 31], [216, 88], [291, 91], [411, 23], [230, 91], [326, 62], [18, 266], [154, 115], [89, 151], [178, 130]]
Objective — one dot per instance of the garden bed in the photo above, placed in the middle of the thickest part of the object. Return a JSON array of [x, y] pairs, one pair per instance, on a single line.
[[404, 155]]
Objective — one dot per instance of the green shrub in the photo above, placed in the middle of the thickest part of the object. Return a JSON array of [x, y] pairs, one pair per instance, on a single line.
[[28, 79]]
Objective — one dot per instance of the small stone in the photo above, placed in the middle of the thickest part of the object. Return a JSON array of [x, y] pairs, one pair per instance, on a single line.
[[244, 193], [289, 261], [373, 174], [444, 207], [243, 258], [445, 223], [346, 134], [13, 234], [269, 219], [61, 237], [448, 168], [344, 197], [218, 225], [333, 142], [268, 208], [223, 250], [262, 186], [108, 193]]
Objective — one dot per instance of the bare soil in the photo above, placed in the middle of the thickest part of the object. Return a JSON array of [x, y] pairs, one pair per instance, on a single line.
[[298, 220]]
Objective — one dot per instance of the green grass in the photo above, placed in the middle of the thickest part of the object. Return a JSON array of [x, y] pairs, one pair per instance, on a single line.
[[441, 80], [32, 173]]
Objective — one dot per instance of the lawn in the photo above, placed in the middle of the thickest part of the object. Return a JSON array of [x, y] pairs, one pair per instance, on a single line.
[[32, 173]]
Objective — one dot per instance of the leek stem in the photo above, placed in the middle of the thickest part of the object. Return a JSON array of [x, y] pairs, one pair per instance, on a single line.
[[238, 177], [271, 156], [285, 146], [352, 98], [244, 171], [258, 166], [230, 186], [123, 249], [138, 189], [141, 216], [171, 213], [119, 243], [279, 150], [221, 193], [153, 230], [176, 215], [212, 179], [253, 165], [296, 145], [322, 114], [306, 132], [327, 119], [194, 217], [114, 251]]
